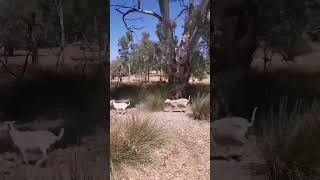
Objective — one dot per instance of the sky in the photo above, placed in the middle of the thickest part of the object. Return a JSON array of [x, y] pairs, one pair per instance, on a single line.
[[117, 27]]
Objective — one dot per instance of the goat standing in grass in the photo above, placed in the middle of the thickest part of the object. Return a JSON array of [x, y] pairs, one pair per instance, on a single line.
[[178, 102], [233, 127], [31, 140], [118, 106], [232, 131]]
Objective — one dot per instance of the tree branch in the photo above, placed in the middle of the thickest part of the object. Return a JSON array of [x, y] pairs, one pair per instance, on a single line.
[[134, 9], [181, 12]]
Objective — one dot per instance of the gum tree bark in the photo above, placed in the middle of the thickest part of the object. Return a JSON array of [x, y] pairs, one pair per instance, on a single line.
[[234, 42], [180, 59]]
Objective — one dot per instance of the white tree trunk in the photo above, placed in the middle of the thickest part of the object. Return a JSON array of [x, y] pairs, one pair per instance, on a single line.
[[129, 69]]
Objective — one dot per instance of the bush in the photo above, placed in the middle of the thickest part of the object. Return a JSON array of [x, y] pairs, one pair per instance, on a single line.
[[132, 141], [291, 147], [201, 107]]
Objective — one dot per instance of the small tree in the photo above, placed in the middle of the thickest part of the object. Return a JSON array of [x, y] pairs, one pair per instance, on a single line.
[[124, 51]]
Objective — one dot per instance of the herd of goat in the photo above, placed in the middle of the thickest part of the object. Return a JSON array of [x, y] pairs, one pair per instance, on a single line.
[[121, 107], [43, 139], [231, 127]]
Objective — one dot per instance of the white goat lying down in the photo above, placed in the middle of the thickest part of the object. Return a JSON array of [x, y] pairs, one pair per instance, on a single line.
[[178, 102], [234, 128], [118, 106], [32, 140]]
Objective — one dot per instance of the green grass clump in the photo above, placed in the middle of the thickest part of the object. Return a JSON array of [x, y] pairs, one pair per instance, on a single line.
[[132, 141], [201, 107]]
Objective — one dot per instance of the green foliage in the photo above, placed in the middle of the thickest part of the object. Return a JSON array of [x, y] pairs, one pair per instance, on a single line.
[[157, 55], [202, 67], [117, 66]]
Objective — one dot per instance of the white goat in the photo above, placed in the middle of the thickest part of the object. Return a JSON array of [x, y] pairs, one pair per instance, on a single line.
[[31, 140], [232, 128], [118, 106], [178, 102]]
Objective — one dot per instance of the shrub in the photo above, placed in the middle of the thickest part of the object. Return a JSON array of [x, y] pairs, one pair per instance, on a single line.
[[201, 107], [132, 141]]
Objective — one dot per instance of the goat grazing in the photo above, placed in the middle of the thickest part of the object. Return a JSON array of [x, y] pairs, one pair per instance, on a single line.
[[31, 140], [234, 128], [178, 102], [118, 106]]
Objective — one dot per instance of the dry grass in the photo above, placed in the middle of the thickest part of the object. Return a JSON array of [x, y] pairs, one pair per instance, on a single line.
[[132, 141], [201, 107], [291, 147], [155, 102], [75, 168]]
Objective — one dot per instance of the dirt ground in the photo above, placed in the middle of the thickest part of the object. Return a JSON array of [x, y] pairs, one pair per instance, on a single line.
[[187, 154]]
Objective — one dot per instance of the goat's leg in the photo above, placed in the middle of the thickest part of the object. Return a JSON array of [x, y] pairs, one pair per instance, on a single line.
[[123, 111], [44, 157], [24, 156]]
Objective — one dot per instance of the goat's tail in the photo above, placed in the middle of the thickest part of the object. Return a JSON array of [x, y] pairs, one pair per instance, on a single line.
[[253, 116], [129, 103], [60, 134]]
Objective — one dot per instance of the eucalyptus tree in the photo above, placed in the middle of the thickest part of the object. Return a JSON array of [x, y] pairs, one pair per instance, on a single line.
[[178, 55], [125, 49]]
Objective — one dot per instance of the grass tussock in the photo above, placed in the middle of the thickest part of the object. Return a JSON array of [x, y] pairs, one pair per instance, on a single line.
[[201, 107], [155, 102], [291, 147], [132, 141]]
